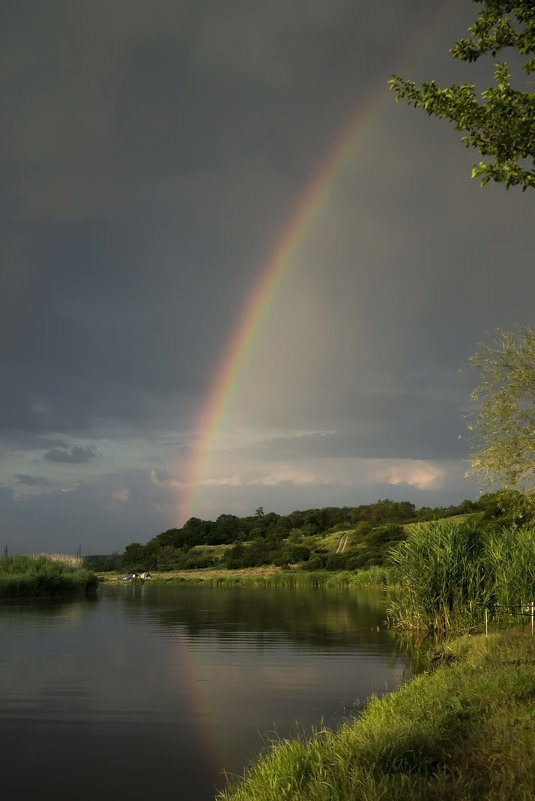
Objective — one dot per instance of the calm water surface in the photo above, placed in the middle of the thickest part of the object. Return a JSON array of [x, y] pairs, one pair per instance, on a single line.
[[150, 689]]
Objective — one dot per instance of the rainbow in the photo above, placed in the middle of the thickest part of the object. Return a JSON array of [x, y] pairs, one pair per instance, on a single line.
[[279, 261], [272, 274], [190, 672]]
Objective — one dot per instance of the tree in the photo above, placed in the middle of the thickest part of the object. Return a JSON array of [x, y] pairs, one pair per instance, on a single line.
[[133, 555], [503, 429], [500, 125]]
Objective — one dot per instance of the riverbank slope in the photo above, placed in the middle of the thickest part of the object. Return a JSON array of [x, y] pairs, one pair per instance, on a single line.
[[463, 730]]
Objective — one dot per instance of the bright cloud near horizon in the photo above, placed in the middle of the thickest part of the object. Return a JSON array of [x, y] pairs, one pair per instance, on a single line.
[[153, 156]]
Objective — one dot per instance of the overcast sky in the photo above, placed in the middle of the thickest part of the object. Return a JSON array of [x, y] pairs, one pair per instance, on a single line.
[[152, 153]]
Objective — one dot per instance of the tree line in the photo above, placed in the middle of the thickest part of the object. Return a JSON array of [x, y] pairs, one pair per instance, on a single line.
[[307, 538]]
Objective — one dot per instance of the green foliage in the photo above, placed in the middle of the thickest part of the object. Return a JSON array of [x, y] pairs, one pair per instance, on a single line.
[[450, 573], [509, 566], [503, 429], [507, 507], [441, 574], [384, 511], [133, 556], [333, 538], [103, 563], [500, 124], [25, 576], [364, 547], [373, 577]]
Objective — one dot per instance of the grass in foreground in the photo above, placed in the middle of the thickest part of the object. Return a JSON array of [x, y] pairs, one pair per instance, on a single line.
[[465, 730]]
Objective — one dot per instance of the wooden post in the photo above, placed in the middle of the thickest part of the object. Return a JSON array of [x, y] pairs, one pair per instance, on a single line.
[[532, 605], [486, 624]]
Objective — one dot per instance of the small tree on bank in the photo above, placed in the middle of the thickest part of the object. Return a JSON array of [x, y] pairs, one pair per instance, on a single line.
[[503, 428], [500, 124]]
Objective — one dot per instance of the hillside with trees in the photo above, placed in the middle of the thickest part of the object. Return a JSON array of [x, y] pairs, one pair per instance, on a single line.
[[332, 538]]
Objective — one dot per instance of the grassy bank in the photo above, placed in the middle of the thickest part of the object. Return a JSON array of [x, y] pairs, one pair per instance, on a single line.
[[43, 576], [271, 576], [463, 730]]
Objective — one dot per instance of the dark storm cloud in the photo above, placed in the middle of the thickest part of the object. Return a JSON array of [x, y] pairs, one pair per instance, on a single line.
[[75, 455], [102, 515], [384, 427], [153, 153], [111, 102], [109, 338], [287, 496], [35, 481]]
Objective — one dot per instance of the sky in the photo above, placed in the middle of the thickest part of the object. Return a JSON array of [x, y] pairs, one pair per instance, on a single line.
[[234, 272]]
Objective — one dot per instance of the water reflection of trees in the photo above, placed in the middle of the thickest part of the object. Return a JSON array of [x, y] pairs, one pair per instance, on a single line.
[[329, 618], [19, 609], [417, 646]]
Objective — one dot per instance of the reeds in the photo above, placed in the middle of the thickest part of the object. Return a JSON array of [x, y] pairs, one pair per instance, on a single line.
[[43, 575], [451, 573], [70, 560]]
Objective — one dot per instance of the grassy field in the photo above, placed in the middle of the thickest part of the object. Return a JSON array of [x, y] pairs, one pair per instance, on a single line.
[[463, 730]]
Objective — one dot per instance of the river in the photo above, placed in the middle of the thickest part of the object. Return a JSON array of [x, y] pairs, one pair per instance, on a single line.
[[157, 689]]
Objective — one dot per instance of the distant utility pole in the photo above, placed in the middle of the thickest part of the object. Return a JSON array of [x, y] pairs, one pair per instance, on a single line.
[[5, 549], [79, 552]]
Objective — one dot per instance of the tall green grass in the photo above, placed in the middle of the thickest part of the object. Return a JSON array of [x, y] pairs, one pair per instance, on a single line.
[[451, 573], [25, 576], [510, 565]]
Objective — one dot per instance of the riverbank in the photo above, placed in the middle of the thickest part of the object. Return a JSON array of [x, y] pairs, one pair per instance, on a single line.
[[270, 576], [465, 729]]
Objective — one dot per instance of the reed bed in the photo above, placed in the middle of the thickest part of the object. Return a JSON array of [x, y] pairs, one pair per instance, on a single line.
[[43, 575], [70, 560], [451, 573]]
